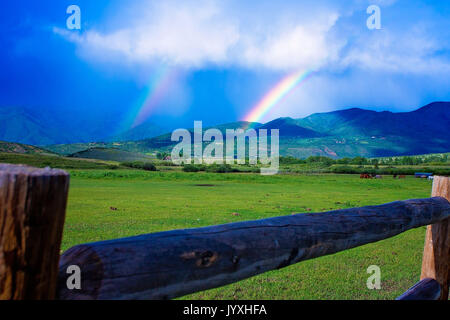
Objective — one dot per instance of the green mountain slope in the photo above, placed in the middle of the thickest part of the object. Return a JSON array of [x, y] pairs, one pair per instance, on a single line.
[[42, 160], [345, 133], [291, 128], [12, 147], [369, 133], [427, 122], [17, 124], [40, 126], [110, 154], [140, 132]]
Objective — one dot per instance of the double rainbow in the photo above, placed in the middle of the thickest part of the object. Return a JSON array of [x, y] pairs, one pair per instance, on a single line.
[[163, 80], [276, 94]]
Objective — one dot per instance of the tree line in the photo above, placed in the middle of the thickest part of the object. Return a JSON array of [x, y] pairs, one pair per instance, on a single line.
[[402, 160]]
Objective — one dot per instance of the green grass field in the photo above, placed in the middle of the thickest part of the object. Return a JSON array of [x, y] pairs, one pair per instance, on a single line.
[[158, 201]]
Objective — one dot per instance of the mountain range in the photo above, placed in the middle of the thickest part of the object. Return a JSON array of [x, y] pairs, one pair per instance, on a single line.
[[344, 133], [42, 126]]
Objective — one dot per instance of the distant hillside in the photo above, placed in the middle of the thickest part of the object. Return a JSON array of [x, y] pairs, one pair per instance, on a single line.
[[112, 154], [43, 126], [291, 128], [427, 122], [165, 143], [68, 149], [21, 125], [162, 142], [12, 147], [345, 133], [356, 132], [43, 160], [140, 132], [40, 126], [369, 133]]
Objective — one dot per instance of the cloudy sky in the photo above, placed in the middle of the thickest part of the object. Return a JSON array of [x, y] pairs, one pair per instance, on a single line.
[[179, 61]]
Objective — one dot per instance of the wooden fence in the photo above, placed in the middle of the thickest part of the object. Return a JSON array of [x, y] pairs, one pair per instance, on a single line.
[[170, 264]]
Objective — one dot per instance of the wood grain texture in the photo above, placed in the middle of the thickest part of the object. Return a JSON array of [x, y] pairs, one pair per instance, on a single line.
[[32, 211], [425, 289], [174, 263], [436, 254]]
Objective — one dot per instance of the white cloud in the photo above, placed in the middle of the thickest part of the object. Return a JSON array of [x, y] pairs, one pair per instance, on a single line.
[[410, 52], [192, 34], [302, 46], [307, 35], [172, 33], [185, 35]]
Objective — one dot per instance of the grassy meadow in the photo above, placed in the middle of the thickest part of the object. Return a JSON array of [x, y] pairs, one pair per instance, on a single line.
[[165, 200]]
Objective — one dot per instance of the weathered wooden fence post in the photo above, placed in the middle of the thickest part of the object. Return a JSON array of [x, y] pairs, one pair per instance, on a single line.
[[436, 254], [32, 212]]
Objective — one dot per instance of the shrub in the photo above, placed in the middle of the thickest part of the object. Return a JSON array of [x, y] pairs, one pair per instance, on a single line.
[[291, 160], [148, 166], [222, 168], [345, 169], [193, 168]]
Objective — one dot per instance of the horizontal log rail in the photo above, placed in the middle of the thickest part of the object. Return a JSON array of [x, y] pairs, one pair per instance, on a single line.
[[425, 289], [175, 263]]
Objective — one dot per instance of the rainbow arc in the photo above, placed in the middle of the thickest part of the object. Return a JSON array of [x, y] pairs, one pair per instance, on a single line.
[[276, 94]]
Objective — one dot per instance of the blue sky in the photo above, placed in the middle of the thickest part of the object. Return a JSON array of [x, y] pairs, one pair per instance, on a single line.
[[223, 57]]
